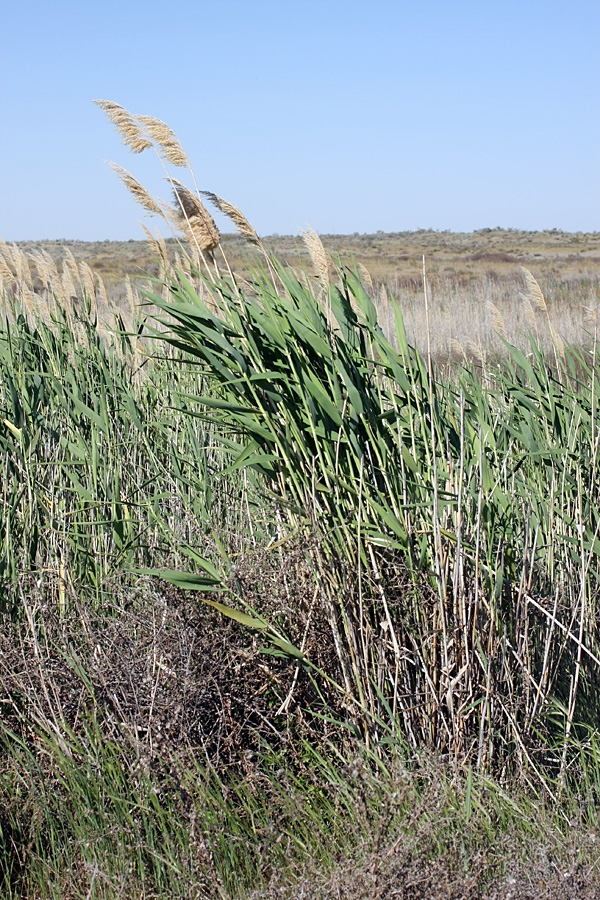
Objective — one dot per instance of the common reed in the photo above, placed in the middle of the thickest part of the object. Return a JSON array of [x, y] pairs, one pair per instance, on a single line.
[[395, 645]]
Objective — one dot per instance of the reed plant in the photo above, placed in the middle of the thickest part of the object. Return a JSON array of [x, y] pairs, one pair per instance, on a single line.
[[422, 621]]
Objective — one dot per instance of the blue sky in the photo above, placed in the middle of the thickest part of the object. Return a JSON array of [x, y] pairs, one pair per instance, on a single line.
[[345, 116]]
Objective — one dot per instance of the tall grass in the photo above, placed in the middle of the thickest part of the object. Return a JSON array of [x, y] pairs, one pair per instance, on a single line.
[[443, 532], [484, 491]]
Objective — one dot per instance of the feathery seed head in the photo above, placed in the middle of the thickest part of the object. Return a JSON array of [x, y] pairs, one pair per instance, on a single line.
[[534, 291], [318, 255], [194, 218], [138, 191], [126, 125], [497, 320], [232, 212], [365, 276], [166, 139], [529, 315]]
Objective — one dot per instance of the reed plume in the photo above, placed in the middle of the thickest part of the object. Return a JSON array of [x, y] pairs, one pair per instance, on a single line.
[[102, 290], [529, 315], [126, 124], [365, 276], [137, 190], [5, 271], [237, 217], [317, 253], [157, 243], [497, 320], [195, 219], [164, 138], [534, 291]]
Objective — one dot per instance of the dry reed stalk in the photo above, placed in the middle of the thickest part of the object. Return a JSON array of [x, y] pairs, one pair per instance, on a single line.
[[194, 219], [128, 128], [237, 217], [166, 139], [137, 190], [317, 253]]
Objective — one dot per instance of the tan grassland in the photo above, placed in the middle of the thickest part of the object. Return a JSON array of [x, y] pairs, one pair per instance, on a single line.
[[476, 284]]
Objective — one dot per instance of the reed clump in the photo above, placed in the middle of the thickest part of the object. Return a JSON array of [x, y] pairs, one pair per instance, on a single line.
[[294, 577]]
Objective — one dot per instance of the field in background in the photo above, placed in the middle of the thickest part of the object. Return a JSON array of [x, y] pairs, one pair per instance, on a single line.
[[465, 272]]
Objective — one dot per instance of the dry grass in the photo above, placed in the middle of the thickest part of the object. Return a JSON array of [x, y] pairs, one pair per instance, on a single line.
[[474, 279]]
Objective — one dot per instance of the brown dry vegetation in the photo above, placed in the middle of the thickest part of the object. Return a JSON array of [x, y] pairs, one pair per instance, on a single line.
[[466, 275]]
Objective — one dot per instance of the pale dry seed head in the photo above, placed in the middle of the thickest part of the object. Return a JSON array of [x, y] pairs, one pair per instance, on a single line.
[[42, 267], [529, 315], [21, 264], [591, 314], [131, 300], [237, 217], [166, 139], [497, 320], [558, 342], [125, 123], [365, 276], [102, 290], [87, 280], [163, 247], [72, 261], [476, 350], [195, 219], [5, 271], [138, 191], [152, 241], [67, 282], [51, 265], [30, 299], [456, 347], [317, 253], [534, 291]]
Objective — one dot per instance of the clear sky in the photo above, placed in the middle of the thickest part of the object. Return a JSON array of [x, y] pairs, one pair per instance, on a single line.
[[346, 116]]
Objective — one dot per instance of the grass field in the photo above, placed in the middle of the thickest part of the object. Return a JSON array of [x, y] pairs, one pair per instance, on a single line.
[[299, 575]]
